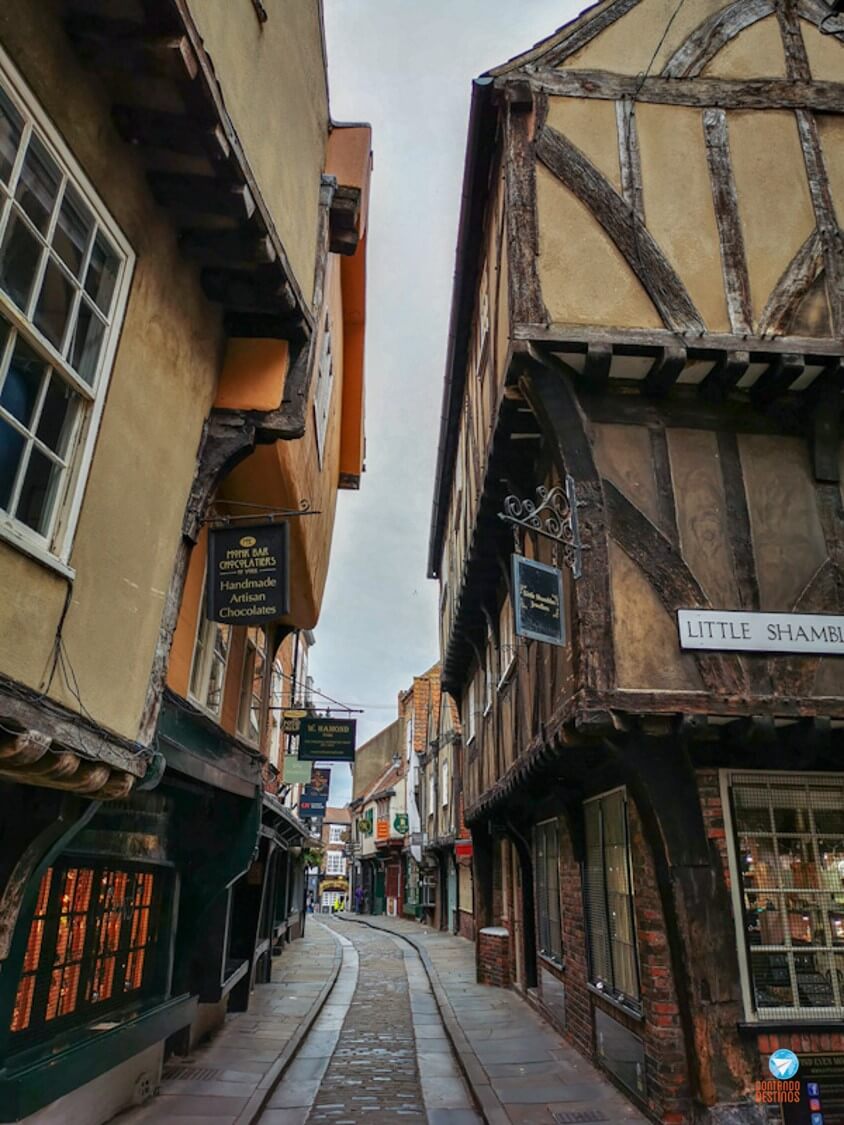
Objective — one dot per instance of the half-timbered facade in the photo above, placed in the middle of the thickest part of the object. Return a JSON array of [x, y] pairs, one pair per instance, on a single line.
[[649, 309]]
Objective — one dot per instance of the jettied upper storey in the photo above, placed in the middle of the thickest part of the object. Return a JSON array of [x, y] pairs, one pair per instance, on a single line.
[[649, 296]]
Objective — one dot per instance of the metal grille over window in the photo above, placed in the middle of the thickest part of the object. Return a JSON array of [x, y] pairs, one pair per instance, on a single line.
[[91, 945], [59, 274], [547, 862], [613, 960], [789, 839]]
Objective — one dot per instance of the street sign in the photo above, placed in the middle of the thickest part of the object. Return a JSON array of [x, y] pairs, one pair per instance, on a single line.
[[327, 740], [538, 601], [740, 631], [248, 574]]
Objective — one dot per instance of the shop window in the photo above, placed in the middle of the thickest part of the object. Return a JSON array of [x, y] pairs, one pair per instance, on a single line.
[[471, 706], [210, 657], [428, 891], [336, 833], [64, 272], [444, 784], [250, 704], [546, 858], [787, 859], [92, 946], [506, 643], [613, 961], [322, 394]]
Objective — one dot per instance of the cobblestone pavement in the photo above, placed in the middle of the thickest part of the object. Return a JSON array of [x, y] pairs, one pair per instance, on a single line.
[[378, 1052]]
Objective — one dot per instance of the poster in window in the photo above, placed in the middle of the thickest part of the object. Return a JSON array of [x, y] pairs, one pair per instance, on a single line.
[[248, 574], [538, 601]]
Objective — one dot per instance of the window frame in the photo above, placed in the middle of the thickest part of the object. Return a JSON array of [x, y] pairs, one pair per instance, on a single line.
[[323, 390], [609, 988], [548, 954], [54, 550], [754, 1014], [246, 686], [206, 656], [335, 863], [153, 985], [335, 833], [506, 641]]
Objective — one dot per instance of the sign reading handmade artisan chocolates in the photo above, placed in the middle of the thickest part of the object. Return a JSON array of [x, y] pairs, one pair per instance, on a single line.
[[538, 601], [327, 740], [248, 574]]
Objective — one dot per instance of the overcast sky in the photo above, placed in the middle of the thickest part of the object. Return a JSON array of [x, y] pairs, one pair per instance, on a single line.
[[406, 66]]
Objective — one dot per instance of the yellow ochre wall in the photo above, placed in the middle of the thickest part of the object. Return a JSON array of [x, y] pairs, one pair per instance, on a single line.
[[273, 78], [161, 389]]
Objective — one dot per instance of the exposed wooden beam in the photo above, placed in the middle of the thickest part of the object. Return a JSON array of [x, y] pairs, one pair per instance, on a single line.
[[797, 279], [586, 29], [728, 369], [248, 292], [709, 37], [796, 59], [776, 379], [628, 155], [826, 425], [625, 228], [228, 248], [730, 236], [119, 43], [171, 132], [200, 195], [665, 371], [525, 292], [829, 228], [643, 341], [750, 93], [596, 371]]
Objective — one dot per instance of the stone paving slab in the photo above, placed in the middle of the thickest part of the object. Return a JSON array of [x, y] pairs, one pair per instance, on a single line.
[[252, 1048], [519, 1068]]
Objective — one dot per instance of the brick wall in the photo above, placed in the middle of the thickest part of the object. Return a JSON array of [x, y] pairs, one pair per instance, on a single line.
[[494, 957], [466, 924]]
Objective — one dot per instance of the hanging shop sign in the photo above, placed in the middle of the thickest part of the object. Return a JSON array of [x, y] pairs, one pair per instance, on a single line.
[[382, 829], [365, 823], [327, 740], [248, 574], [401, 823], [290, 720], [538, 601], [728, 630], [312, 802], [463, 849], [294, 772], [321, 780]]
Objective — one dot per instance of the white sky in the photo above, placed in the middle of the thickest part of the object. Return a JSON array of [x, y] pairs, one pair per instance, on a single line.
[[406, 66]]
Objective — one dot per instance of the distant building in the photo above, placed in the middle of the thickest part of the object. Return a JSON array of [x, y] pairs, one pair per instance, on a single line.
[[333, 885]]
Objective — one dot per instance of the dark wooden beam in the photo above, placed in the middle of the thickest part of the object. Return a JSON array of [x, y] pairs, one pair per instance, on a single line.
[[796, 59], [665, 371], [118, 44], [525, 292], [823, 203], [248, 292], [728, 369], [596, 371], [749, 93], [826, 425], [629, 156], [776, 379], [171, 132], [730, 235], [644, 341], [200, 195], [228, 248], [585, 30], [625, 228]]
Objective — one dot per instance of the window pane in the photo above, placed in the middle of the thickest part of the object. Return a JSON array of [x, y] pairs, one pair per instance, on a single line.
[[19, 257], [86, 342], [22, 384], [38, 492], [57, 415], [73, 229], [11, 451], [11, 125], [38, 185], [102, 273], [54, 303]]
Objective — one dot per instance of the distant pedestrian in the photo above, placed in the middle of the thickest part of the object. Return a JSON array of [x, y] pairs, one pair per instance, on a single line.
[[359, 900]]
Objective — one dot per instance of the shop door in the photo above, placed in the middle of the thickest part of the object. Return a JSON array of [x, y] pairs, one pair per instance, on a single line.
[[378, 898], [451, 898]]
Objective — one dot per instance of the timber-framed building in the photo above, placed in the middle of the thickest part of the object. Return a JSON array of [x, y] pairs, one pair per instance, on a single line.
[[649, 301]]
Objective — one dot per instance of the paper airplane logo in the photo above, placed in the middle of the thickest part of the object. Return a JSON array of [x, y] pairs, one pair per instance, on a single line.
[[783, 1064]]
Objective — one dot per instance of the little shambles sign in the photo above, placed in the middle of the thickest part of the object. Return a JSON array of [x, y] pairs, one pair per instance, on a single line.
[[248, 574], [327, 740], [727, 630], [538, 604]]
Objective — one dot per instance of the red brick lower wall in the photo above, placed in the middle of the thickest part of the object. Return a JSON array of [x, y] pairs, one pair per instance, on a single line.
[[466, 924], [494, 965]]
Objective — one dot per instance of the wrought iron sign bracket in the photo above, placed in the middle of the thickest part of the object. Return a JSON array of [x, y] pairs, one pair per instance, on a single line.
[[553, 515], [259, 512]]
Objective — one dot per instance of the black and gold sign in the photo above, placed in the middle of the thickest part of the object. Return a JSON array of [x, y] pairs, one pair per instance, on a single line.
[[538, 601], [248, 574], [327, 740]]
